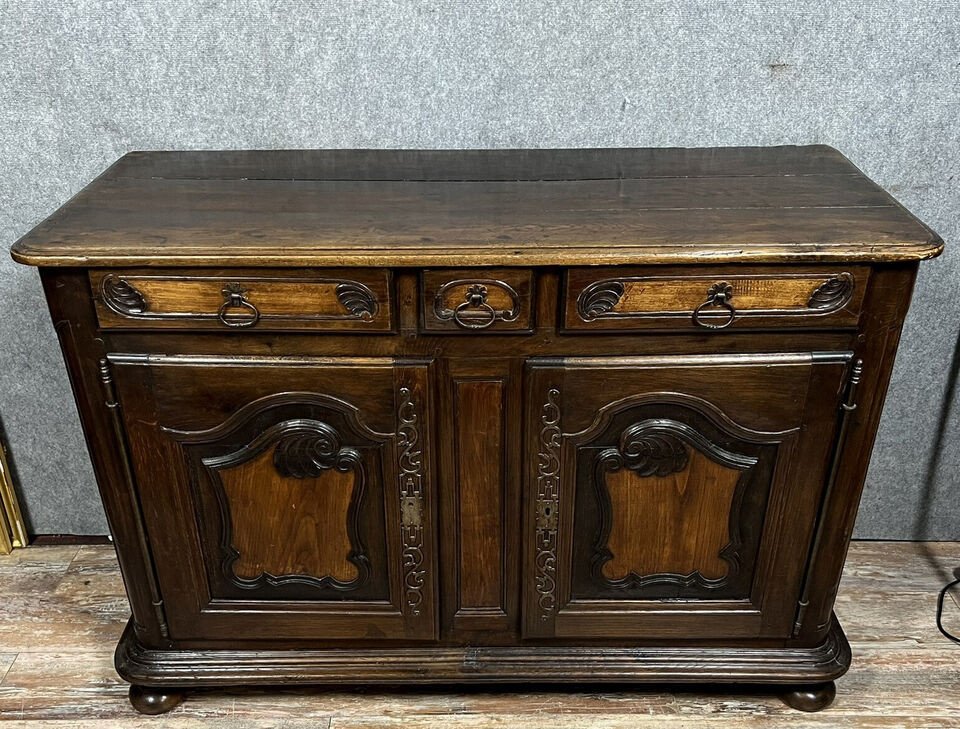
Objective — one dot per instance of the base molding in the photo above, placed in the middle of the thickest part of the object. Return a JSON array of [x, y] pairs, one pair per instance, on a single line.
[[444, 664]]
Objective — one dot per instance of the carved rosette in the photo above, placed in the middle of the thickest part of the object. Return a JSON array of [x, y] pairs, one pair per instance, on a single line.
[[121, 296], [832, 294], [599, 298], [357, 299], [409, 458], [548, 505]]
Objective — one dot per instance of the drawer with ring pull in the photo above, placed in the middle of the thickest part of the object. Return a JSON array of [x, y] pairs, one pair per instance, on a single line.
[[347, 300], [713, 298], [477, 300]]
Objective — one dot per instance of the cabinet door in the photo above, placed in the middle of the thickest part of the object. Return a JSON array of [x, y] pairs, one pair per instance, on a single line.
[[674, 497], [284, 498]]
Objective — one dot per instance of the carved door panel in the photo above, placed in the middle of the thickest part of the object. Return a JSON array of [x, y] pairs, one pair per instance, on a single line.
[[674, 496], [284, 498]]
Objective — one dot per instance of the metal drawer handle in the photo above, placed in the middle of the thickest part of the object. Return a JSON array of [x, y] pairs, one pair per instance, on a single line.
[[234, 298], [476, 301], [475, 311], [718, 295]]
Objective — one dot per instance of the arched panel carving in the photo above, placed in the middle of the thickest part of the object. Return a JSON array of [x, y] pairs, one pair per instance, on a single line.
[[671, 500], [667, 468], [291, 476]]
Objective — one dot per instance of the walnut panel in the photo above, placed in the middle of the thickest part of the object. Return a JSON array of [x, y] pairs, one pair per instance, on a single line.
[[707, 299], [356, 301], [309, 534], [677, 523], [479, 444], [670, 502], [290, 492]]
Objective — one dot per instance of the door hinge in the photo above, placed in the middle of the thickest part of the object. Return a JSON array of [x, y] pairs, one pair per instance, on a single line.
[[161, 618], [802, 606], [847, 405]]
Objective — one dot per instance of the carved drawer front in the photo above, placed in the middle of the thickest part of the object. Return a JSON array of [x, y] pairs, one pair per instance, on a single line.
[[477, 300], [355, 300], [709, 299]]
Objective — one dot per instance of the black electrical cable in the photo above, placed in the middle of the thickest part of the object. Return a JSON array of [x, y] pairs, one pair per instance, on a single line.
[[940, 599]]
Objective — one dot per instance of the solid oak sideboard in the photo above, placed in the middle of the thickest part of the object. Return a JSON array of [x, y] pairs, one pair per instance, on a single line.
[[480, 416]]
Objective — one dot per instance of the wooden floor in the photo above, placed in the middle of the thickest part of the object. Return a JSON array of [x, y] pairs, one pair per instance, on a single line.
[[62, 610]]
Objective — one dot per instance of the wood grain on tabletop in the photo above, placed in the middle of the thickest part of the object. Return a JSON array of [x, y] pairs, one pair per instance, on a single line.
[[513, 207]]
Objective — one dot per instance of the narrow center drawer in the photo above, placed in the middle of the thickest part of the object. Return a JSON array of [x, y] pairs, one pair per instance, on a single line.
[[355, 300], [477, 300]]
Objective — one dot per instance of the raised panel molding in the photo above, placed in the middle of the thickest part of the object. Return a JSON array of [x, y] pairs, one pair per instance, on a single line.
[[297, 488], [303, 450], [670, 500], [479, 456], [656, 450], [214, 299]]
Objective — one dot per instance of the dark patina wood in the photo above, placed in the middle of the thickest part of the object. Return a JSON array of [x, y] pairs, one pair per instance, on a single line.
[[568, 415], [491, 208]]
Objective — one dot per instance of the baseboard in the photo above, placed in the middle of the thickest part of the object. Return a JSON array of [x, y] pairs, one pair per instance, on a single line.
[[445, 664]]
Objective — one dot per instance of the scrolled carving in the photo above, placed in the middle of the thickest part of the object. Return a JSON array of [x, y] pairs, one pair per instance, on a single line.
[[652, 453], [409, 459], [121, 296], [356, 298], [599, 298], [833, 293], [548, 505], [308, 454]]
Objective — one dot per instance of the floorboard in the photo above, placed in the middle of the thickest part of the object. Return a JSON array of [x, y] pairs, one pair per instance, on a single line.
[[63, 609]]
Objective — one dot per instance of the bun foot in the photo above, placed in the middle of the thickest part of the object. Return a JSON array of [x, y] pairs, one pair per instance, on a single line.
[[149, 700], [810, 698]]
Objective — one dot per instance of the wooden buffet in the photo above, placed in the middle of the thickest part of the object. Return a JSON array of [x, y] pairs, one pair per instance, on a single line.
[[460, 416]]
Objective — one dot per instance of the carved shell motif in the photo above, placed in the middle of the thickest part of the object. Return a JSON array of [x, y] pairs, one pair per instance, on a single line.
[[833, 293], [309, 453], [599, 298], [122, 296], [357, 299], [652, 453]]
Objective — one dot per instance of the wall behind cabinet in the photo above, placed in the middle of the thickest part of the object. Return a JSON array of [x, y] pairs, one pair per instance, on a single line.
[[85, 81]]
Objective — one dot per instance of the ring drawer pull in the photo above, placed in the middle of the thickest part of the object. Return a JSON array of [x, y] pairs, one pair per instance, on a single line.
[[476, 301], [718, 295], [234, 298], [475, 312]]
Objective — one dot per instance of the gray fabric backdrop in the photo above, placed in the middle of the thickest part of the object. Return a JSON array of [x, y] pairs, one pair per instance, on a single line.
[[83, 82]]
